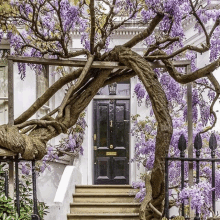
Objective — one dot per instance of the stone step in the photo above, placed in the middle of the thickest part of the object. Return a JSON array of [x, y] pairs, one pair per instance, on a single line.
[[103, 198], [115, 216], [105, 189], [104, 208], [101, 202]]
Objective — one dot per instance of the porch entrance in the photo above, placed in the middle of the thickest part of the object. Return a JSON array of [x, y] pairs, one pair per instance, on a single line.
[[111, 120]]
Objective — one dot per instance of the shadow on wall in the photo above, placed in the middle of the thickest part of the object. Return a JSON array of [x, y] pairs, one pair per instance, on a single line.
[[55, 188], [48, 182]]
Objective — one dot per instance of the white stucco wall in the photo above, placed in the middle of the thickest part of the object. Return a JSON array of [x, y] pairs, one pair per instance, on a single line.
[[48, 182], [25, 95], [47, 187], [24, 91]]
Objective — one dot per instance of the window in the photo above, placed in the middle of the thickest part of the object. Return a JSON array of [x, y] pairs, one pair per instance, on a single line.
[[122, 89]]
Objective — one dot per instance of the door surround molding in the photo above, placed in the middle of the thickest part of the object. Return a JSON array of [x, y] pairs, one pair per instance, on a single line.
[[111, 97], [89, 177]]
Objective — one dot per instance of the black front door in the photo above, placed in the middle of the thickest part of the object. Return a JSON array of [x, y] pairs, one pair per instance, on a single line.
[[111, 141]]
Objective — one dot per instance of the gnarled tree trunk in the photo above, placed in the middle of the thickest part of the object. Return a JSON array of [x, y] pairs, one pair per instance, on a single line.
[[161, 112], [33, 145]]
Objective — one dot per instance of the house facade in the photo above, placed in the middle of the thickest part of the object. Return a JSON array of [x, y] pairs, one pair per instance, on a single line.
[[108, 144]]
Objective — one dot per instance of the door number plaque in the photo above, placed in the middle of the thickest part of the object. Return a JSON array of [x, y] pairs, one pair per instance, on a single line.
[[111, 153]]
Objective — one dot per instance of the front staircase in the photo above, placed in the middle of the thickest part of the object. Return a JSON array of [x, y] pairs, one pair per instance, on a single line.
[[104, 202]]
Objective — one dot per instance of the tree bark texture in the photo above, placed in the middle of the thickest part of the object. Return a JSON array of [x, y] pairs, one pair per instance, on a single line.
[[33, 145], [161, 112]]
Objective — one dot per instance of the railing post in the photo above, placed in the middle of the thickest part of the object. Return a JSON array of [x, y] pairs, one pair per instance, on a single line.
[[17, 186], [213, 146], [182, 158], [35, 216], [182, 148], [6, 184], [167, 214], [197, 146]]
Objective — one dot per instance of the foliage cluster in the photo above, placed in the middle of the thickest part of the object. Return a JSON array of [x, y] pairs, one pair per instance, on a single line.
[[8, 207], [70, 144], [48, 28], [144, 130]]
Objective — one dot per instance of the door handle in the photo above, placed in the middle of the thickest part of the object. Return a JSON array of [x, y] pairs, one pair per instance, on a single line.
[[111, 123]]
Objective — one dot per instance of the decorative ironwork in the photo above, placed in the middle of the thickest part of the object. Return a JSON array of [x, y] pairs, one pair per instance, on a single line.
[[112, 88], [17, 187], [197, 146], [213, 146], [4, 53], [15, 160], [4, 175], [182, 147]]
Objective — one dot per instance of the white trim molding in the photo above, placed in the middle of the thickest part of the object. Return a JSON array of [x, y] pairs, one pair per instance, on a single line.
[[70, 177], [111, 97]]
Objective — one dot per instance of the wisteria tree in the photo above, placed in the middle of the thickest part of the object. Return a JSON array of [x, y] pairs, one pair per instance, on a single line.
[[46, 28]]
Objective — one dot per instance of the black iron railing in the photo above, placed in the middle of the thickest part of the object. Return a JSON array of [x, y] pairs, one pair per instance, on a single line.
[[35, 215], [197, 159], [4, 175]]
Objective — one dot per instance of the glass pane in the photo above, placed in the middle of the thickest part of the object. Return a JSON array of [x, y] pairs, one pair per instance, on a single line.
[[123, 89], [120, 110], [119, 128]]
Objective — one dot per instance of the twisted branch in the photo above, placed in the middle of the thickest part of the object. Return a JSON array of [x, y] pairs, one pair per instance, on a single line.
[[187, 47], [200, 22], [92, 24], [215, 83], [158, 42], [155, 210], [147, 198], [61, 128], [147, 32], [75, 86], [47, 95], [183, 79]]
